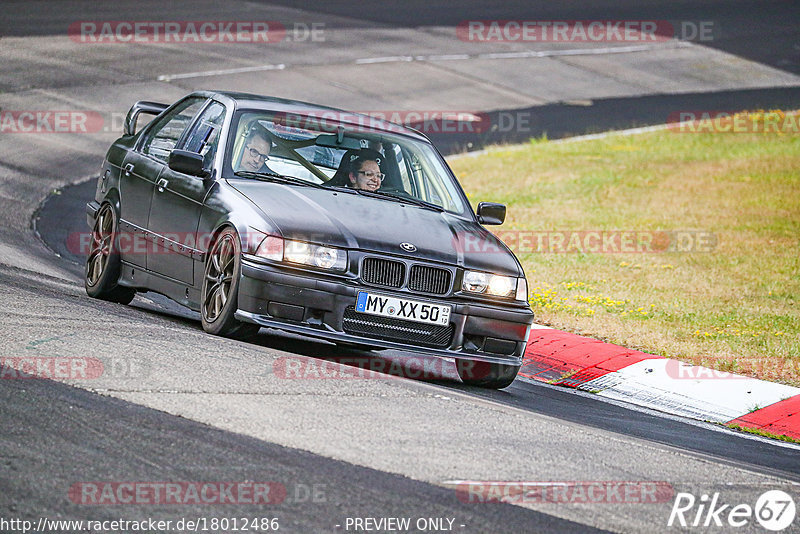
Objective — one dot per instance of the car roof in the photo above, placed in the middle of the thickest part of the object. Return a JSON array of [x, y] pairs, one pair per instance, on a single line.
[[271, 103]]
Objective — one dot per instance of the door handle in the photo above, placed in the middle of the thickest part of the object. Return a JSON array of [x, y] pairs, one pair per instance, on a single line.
[[128, 169], [162, 183]]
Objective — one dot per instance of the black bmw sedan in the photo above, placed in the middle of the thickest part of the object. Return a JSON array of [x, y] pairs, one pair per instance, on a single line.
[[264, 212]]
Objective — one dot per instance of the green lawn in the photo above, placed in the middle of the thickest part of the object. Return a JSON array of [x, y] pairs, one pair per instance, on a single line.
[[715, 218]]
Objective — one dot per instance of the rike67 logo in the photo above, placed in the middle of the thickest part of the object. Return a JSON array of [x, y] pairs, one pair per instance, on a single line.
[[774, 510]]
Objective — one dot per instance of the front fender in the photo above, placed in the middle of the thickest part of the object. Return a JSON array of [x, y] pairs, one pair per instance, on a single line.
[[222, 208]]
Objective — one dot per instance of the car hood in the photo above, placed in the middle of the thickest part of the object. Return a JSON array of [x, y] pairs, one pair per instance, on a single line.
[[376, 225]]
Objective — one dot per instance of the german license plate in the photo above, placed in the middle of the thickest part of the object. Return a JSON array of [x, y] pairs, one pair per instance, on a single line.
[[409, 310]]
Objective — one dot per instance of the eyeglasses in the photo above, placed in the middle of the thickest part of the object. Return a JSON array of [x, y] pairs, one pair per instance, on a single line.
[[256, 154], [372, 174]]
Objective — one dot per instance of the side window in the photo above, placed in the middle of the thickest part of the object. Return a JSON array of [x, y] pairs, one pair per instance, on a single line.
[[164, 135], [204, 136]]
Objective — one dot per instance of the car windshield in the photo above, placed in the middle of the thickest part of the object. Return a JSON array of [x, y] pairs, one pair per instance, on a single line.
[[341, 154]]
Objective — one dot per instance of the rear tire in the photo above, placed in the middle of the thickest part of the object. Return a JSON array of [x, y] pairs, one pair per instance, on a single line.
[[485, 374], [219, 296], [103, 264]]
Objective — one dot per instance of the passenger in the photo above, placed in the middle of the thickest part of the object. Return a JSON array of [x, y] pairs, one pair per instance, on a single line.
[[365, 170], [255, 152]]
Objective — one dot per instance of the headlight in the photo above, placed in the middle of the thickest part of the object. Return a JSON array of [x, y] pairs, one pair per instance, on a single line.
[[271, 248], [276, 248], [475, 281], [494, 285]]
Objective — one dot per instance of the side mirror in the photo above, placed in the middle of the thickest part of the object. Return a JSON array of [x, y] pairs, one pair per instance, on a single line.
[[148, 108], [491, 213], [187, 162]]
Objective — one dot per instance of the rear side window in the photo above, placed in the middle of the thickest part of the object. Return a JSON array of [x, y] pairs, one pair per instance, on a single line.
[[164, 135]]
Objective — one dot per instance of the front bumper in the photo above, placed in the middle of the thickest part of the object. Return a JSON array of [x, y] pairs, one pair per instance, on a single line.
[[304, 304]]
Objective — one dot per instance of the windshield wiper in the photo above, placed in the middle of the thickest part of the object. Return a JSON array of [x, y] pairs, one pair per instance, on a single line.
[[275, 177], [401, 198]]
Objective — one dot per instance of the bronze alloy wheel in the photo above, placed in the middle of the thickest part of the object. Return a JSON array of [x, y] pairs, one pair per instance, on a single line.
[[219, 275], [103, 264], [219, 295], [102, 236]]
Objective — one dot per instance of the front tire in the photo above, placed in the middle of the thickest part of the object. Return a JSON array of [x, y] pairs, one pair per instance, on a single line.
[[103, 264], [485, 374], [220, 293]]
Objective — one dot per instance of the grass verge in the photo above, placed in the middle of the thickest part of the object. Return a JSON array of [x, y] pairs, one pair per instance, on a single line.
[[762, 433]]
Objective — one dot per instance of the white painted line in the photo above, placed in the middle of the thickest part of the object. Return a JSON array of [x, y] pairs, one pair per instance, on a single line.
[[580, 51], [525, 54], [535, 326], [222, 72], [658, 384], [389, 59], [507, 55], [448, 57]]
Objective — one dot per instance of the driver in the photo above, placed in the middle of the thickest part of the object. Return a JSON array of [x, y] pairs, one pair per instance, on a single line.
[[365, 170], [255, 152]]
